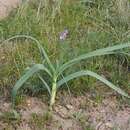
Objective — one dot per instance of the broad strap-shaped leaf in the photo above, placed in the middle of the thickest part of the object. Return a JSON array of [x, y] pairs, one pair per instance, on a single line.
[[82, 57], [92, 74], [98, 52], [46, 85], [44, 54], [26, 76]]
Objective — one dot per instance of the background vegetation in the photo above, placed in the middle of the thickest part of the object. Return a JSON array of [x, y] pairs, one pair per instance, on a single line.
[[91, 25]]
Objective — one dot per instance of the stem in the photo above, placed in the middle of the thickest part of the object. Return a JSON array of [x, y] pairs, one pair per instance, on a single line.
[[53, 94]]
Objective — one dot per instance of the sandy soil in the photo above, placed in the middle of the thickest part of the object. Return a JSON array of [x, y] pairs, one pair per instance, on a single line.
[[69, 113], [6, 7]]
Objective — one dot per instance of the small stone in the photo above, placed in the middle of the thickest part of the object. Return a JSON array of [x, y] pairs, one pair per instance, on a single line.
[[109, 125], [28, 103], [3, 57], [61, 111], [69, 107]]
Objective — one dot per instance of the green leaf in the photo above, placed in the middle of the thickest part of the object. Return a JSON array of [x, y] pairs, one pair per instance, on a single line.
[[92, 74], [46, 85], [46, 57], [26, 76], [99, 52], [82, 57]]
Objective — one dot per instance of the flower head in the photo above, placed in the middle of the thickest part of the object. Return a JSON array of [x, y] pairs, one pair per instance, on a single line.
[[64, 34]]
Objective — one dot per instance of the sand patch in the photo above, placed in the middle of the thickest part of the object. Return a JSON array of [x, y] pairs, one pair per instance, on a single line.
[[6, 6]]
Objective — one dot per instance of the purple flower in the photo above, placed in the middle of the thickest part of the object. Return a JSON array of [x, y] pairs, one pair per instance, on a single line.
[[64, 34]]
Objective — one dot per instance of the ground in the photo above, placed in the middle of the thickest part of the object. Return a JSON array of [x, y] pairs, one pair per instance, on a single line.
[[6, 7], [69, 113]]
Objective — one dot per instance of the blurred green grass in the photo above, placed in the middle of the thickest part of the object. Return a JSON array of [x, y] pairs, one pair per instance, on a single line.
[[91, 25]]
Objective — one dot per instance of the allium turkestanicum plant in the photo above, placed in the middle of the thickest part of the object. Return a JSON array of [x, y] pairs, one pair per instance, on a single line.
[[55, 72]]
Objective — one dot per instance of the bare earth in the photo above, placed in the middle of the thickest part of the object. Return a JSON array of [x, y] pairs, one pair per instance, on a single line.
[[6, 7], [69, 113]]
